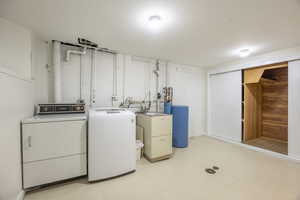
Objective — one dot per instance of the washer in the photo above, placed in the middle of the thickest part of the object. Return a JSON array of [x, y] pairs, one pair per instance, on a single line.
[[111, 143]]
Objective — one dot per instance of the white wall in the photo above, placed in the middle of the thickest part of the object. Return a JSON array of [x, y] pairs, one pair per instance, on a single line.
[[70, 74], [16, 103], [189, 85], [135, 78], [41, 76], [15, 50], [24, 81], [138, 79], [104, 74]]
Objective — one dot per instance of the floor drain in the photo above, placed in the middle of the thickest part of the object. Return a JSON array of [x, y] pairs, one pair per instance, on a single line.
[[215, 168], [210, 171]]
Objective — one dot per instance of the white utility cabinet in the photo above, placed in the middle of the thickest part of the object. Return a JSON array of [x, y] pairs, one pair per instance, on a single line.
[[53, 148], [157, 135]]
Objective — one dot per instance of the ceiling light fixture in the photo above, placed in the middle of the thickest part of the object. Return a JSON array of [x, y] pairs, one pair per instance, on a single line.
[[244, 53], [155, 22]]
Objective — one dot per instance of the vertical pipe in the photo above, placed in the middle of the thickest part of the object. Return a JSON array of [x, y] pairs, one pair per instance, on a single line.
[[167, 74], [80, 78], [114, 95], [157, 85], [124, 77], [92, 83], [57, 71]]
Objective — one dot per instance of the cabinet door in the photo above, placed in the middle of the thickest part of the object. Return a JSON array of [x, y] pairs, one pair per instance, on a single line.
[[225, 105], [294, 110], [161, 146], [161, 125], [54, 139]]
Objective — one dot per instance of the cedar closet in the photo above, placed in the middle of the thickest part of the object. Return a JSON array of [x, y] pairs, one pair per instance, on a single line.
[[257, 106], [265, 107]]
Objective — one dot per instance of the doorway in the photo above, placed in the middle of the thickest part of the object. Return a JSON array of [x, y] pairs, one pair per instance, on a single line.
[[265, 107]]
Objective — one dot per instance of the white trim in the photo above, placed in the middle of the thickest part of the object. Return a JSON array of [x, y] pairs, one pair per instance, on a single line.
[[21, 195], [207, 104], [293, 109], [294, 157], [195, 134], [271, 153]]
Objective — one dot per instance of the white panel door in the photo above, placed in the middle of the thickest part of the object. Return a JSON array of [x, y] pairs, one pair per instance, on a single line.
[[294, 110], [225, 109]]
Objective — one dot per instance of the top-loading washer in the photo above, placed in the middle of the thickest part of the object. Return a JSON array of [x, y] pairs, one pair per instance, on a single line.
[[111, 143]]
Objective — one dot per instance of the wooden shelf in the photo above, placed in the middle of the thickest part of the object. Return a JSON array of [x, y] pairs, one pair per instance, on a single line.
[[268, 80], [282, 124]]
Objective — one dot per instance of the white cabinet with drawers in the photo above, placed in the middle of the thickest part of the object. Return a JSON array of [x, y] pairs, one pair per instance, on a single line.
[[53, 149], [157, 135]]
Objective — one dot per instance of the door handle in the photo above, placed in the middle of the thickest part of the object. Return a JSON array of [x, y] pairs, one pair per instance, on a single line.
[[29, 141]]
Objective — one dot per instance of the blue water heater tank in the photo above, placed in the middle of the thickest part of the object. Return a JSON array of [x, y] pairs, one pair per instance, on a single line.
[[180, 126]]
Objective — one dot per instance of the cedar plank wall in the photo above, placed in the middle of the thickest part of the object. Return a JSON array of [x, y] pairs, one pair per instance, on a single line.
[[275, 104], [252, 111]]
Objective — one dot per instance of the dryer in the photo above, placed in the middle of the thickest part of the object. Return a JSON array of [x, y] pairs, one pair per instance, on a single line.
[[53, 148], [111, 143]]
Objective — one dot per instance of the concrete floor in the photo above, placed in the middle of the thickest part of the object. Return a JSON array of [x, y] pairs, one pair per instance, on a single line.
[[244, 174]]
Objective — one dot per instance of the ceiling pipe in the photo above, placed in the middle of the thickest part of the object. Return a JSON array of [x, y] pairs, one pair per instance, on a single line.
[[101, 49], [69, 52]]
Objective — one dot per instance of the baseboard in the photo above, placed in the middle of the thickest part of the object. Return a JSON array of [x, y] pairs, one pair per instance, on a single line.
[[21, 195], [271, 153], [294, 157], [197, 135], [228, 139]]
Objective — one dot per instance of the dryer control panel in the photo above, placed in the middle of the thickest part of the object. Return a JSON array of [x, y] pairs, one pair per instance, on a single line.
[[43, 109]]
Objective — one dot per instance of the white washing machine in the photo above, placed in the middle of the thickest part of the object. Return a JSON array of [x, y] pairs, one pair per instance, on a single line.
[[111, 143]]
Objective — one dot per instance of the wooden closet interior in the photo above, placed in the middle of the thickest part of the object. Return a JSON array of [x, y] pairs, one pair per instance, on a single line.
[[265, 107]]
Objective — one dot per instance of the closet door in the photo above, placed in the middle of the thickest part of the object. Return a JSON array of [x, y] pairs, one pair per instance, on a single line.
[[225, 109], [294, 110]]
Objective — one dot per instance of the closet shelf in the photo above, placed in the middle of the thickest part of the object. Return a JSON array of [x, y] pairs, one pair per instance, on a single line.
[[268, 80], [282, 124]]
